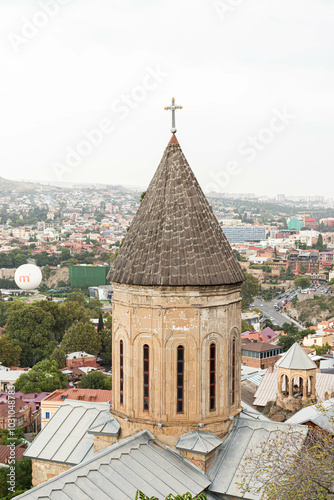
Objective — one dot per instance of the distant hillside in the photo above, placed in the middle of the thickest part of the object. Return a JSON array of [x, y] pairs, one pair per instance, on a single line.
[[7, 185], [316, 310]]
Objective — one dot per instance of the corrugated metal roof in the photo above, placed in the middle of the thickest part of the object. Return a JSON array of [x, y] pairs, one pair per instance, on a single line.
[[324, 388], [296, 359], [267, 390], [199, 442], [139, 462], [244, 442], [321, 415], [256, 378], [65, 438]]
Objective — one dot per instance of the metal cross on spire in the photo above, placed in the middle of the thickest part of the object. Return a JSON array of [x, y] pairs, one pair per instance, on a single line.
[[173, 108]]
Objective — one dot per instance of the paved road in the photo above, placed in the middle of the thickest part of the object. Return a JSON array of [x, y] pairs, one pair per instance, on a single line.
[[270, 312]]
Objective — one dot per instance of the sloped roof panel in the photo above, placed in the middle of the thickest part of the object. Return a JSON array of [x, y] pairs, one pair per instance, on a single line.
[[175, 239], [139, 462], [296, 359]]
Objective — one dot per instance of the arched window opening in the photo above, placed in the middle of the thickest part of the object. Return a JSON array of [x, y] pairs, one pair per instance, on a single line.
[[180, 379], [212, 377], [233, 373], [121, 373], [146, 368]]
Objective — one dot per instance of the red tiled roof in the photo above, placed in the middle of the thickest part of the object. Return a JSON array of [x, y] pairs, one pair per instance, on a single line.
[[19, 404], [99, 395], [261, 347], [268, 333], [5, 450]]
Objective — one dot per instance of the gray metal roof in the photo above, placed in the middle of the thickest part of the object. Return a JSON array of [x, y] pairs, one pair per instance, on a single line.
[[244, 442], [249, 412], [110, 428], [139, 462], [199, 442], [296, 359], [324, 388], [321, 415], [65, 438]]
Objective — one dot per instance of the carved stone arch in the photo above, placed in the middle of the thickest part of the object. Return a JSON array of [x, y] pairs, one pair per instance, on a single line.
[[235, 331], [121, 331], [140, 337], [212, 336]]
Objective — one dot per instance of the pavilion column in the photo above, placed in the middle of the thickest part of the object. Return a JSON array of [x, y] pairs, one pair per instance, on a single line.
[[313, 387], [304, 389], [290, 395], [280, 386]]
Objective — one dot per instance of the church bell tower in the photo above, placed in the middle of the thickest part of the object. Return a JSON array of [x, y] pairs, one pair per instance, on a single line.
[[176, 312]]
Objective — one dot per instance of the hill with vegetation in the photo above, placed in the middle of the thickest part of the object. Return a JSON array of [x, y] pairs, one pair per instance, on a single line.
[[313, 311], [8, 185]]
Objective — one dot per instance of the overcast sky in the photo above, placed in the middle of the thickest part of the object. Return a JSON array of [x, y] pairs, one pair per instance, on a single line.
[[255, 78]]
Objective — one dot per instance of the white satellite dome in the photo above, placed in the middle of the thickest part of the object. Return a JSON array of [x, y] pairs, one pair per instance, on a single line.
[[28, 277]]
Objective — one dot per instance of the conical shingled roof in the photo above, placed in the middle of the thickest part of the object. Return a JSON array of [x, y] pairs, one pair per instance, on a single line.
[[296, 359], [175, 239]]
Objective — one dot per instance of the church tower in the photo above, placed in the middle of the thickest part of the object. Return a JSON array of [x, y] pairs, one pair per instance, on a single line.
[[176, 312]]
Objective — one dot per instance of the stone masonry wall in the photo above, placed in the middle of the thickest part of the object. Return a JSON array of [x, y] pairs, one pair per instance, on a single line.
[[43, 470], [164, 318]]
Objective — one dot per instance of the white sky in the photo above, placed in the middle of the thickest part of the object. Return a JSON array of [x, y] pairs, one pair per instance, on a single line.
[[229, 71]]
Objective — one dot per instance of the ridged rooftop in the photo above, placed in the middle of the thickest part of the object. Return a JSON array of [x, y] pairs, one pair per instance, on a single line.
[[296, 359], [175, 239]]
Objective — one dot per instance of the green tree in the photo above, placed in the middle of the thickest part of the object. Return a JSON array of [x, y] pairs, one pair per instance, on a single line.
[[9, 353], [106, 339], [245, 326], [3, 312], [96, 380], [100, 326], [302, 282], [58, 355], [76, 297], [72, 312], [45, 376], [82, 337], [30, 327], [7, 436], [289, 274], [23, 479], [320, 244], [65, 254], [46, 272], [59, 317], [94, 308], [293, 468], [320, 350], [303, 269], [249, 290]]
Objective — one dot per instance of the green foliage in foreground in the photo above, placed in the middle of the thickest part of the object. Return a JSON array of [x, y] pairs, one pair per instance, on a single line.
[[23, 477]]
